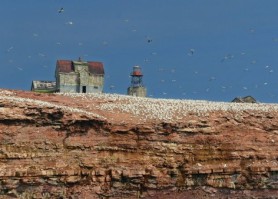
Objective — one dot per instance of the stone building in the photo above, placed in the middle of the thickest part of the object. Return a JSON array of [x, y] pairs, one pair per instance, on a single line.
[[137, 88], [79, 76]]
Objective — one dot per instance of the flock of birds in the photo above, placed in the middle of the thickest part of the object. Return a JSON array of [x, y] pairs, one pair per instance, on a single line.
[[143, 109], [164, 71], [146, 109], [168, 110]]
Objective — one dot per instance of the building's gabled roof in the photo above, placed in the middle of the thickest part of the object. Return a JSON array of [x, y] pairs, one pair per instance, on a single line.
[[64, 66], [237, 99], [247, 99], [67, 66], [96, 68]]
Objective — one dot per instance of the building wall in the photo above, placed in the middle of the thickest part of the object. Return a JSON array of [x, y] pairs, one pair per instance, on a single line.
[[69, 89], [90, 89], [67, 82], [80, 81], [96, 80], [137, 91], [91, 83], [69, 78]]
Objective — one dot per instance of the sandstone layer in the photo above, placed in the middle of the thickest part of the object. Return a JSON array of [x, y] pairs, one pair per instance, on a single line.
[[112, 146]]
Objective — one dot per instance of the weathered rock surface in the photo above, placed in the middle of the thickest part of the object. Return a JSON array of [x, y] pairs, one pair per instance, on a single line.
[[96, 146]]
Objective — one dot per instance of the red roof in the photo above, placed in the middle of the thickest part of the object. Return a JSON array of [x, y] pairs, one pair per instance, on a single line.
[[137, 73], [64, 66], [67, 66], [96, 68]]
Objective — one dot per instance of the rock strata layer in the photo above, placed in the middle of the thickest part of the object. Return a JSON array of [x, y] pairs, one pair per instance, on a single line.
[[96, 146]]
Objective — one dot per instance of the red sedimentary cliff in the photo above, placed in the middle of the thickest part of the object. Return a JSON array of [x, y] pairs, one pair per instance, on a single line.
[[112, 146]]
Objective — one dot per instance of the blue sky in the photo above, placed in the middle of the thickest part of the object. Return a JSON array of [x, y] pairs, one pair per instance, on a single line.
[[234, 42]]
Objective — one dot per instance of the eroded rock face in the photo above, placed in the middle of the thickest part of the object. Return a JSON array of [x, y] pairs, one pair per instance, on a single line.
[[57, 146]]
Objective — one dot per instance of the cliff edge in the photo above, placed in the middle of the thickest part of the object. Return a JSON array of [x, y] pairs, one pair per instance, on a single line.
[[115, 146]]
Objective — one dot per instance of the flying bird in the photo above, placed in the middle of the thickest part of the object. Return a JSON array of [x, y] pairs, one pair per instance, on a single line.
[[69, 23], [111, 87], [10, 48], [212, 78], [41, 54], [252, 30], [226, 57], [191, 52], [61, 10], [149, 40], [19, 68]]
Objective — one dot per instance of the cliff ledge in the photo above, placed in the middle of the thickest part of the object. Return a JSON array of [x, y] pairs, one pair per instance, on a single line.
[[113, 146]]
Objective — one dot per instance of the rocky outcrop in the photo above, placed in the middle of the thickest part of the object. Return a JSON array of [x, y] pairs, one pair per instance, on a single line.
[[62, 146]]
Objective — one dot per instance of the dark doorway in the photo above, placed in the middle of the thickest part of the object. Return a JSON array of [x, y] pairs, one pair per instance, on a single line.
[[83, 89]]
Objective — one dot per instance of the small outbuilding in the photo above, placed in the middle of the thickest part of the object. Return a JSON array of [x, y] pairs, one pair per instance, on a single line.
[[247, 99], [43, 86]]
